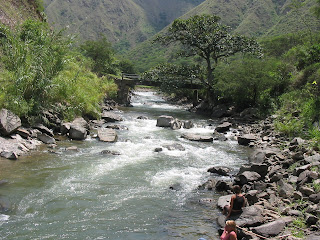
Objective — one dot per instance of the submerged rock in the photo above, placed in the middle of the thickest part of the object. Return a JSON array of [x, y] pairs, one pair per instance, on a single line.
[[164, 121], [198, 138]]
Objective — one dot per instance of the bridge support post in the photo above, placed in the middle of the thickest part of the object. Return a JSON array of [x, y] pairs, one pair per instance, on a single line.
[[195, 98]]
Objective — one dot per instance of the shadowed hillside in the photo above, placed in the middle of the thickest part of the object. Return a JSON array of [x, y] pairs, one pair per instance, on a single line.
[[124, 22], [258, 18]]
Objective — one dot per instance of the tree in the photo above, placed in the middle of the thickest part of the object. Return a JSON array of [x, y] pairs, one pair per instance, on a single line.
[[205, 37], [316, 9], [102, 54]]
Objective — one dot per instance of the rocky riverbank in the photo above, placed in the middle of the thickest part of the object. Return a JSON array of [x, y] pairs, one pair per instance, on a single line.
[[17, 140], [281, 183]]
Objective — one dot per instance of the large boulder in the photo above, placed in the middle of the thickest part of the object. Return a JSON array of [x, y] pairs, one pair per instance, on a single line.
[[9, 155], [44, 129], [248, 176], [224, 127], [164, 121], [107, 135], [81, 122], [224, 200], [65, 128], [9, 122], [197, 138], [246, 139], [251, 216], [223, 171], [77, 132], [45, 138], [270, 229], [219, 111], [111, 117]]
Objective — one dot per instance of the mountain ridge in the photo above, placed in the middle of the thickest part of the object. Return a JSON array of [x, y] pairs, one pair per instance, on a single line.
[[124, 22]]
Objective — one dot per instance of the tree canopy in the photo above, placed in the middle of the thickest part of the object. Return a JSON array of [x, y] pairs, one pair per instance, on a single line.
[[204, 36]]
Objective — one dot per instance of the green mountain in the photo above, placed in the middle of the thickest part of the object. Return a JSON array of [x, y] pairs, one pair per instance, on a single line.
[[124, 22], [14, 12], [256, 18]]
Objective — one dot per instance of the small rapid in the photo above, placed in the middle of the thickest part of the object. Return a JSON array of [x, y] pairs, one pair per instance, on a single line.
[[89, 195]]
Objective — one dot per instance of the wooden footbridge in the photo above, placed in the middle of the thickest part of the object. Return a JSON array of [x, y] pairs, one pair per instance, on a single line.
[[127, 82], [134, 79]]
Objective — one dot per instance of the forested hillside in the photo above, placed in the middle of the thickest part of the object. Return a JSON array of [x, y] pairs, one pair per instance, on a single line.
[[259, 19], [124, 23]]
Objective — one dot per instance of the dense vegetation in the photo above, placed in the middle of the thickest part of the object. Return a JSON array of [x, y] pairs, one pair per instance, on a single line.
[[258, 19], [284, 81], [40, 71]]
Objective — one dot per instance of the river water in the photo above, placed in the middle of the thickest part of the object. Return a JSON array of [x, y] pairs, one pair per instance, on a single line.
[[88, 195]]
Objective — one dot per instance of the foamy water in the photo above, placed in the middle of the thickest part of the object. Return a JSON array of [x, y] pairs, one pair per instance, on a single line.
[[88, 195]]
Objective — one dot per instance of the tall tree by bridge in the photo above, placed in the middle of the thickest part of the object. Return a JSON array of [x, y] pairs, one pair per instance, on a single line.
[[205, 37]]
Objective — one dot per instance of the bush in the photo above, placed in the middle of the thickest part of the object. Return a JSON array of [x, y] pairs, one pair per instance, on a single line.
[[252, 82], [39, 71]]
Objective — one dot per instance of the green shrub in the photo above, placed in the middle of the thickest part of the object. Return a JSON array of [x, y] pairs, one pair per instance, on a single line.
[[251, 82], [39, 72]]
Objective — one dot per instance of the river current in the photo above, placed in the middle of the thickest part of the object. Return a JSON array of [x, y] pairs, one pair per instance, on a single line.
[[88, 195]]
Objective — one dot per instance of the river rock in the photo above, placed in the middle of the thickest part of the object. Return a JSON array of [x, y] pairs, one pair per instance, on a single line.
[[72, 148], [142, 118], [270, 229], [159, 149], [208, 185], [285, 190], [44, 129], [223, 171], [164, 121], [175, 124], [247, 177], [9, 155], [175, 146], [118, 127], [77, 132], [222, 185], [111, 117], [246, 139], [45, 138], [107, 135], [315, 198], [198, 138], [313, 159], [224, 200], [187, 124], [5, 204], [108, 152], [9, 122], [224, 127], [219, 111], [23, 132], [306, 191], [251, 216], [81, 122], [65, 128], [249, 113]]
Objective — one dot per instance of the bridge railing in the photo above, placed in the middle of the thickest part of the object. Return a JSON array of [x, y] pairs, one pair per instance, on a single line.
[[130, 76]]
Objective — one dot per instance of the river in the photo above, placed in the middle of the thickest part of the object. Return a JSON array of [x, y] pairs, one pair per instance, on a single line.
[[88, 195]]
